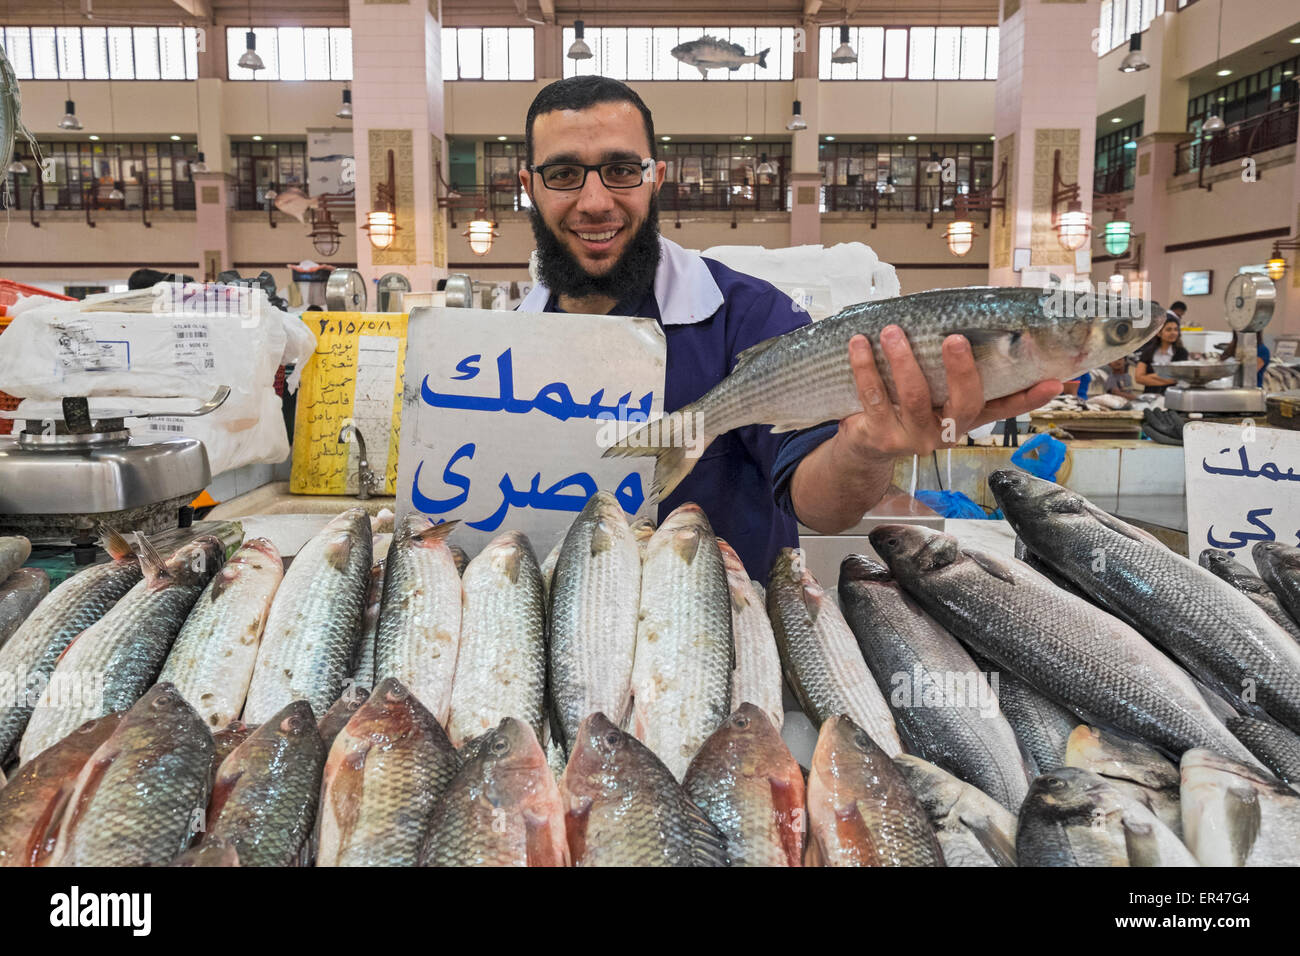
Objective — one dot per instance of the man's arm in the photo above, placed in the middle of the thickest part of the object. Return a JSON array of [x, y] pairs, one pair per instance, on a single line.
[[837, 482]]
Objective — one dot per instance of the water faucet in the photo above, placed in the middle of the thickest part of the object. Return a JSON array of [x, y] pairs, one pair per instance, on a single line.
[[367, 480]]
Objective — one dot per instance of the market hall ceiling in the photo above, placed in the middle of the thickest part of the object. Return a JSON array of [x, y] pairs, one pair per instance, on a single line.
[[503, 12]]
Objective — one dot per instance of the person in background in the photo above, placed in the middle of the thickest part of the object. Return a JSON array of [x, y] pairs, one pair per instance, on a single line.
[[1177, 312], [1262, 356], [1121, 381], [1165, 347]]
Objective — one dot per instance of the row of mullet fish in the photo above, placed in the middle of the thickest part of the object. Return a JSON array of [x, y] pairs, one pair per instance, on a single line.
[[1102, 701]]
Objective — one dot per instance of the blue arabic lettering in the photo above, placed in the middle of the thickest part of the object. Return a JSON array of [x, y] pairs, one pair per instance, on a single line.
[[1239, 538], [427, 505], [467, 368], [1267, 470]]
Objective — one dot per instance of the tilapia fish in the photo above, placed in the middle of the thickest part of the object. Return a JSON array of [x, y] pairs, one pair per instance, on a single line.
[[746, 782], [1222, 564], [212, 660], [1210, 627], [1131, 767], [27, 659], [32, 803], [20, 593], [502, 808], [310, 635], [1279, 566], [265, 794], [227, 739], [943, 706], [624, 807], [1019, 336], [383, 777], [419, 623], [861, 812], [1276, 747], [1238, 815], [973, 828], [757, 677], [681, 678], [14, 551], [363, 668], [115, 660], [1073, 817], [340, 712], [141, 795], [1066, 648], [594, 598], [820, 655], [501, 665]]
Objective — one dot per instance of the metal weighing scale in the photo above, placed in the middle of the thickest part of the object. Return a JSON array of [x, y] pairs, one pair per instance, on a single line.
[[61, 479], [345, 291], [1249, 304]]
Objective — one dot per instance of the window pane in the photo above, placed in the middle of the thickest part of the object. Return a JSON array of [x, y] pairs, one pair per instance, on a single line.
[[895, 54], [1103, 35], [496, 54], [291, 54], [268, 50], [871, 54], [685, 35], [146, 53], [45, 64], [234, 49], [666, 66], [991, 55], [1134, 19], [316, 53], [94, 51], [340, 53], [521, 53], [171, 53], [614, 53], [825, 37], [640, 53], [469, 49], [920, 60], [191, 53], [18, 47], [121, 59], [449, 54], [744, 37], [972, 52], [69, 50], [947, 53]]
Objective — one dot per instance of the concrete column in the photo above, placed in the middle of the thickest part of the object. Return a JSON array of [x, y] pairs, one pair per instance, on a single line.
[[397, 98], [1286, 314], [212, 189], [1045, 100], [212, 223], [805, 175]]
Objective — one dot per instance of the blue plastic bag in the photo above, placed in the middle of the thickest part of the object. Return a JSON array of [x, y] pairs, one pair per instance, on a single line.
[[950, 504], [1041, 456]]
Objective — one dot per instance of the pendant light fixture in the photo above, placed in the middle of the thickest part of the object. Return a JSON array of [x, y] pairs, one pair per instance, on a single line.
[[578, 50], [934, 164], [345, 111], [17, 167], [844, 53], [1214, 122], [480, 233], [765, 168], [960, 236], [1117, 235], [199, 166], [116, 194], [249, 59], [1135, 60], [70, 121], [796, 118]]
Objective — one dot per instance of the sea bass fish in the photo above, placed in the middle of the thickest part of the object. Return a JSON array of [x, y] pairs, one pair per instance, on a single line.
[[33, 802], [27, 659], [418, 637], [681, 678], [624, 807], [20, 593], [265, 795], [943, 706], [973, 828], [1065, 647], [820, 655], [141, 795], [595, 597], [1238, 815], [1275, 746], [212, 660], [1019, 337], [1042, 726], [123, 652], [310, 635], [503, 808], [748, 784], [757, 677], [1223, 565], [861, 812], [1279, 566], [501, 665], [1210, 627], [710, 53], [383, 777]]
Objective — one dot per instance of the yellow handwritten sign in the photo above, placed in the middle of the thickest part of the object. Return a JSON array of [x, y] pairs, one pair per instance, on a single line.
[[354, 377]]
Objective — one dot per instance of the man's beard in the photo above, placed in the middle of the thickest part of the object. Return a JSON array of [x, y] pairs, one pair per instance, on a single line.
[[634, 271]]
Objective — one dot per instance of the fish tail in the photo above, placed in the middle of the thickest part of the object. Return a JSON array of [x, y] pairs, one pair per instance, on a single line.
[[762, 58], [675, 441]]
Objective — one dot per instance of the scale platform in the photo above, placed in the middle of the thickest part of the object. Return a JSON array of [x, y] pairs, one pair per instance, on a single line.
[[1215, 401]]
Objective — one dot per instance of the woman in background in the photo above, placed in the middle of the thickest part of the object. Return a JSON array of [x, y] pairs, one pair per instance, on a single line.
[[1262, 357], [1165, 347]]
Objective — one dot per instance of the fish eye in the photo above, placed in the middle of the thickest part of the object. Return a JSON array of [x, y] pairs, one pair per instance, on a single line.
[[740, 721], [862, 741], [1055, 784], [613, 738], [499, 746], [1118, 332]]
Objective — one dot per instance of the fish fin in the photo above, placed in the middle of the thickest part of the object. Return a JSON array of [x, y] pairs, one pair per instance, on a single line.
[[687, 543], [1123, 527], [1243, 812], [99, 762], [221, 791], [1140, 843], [511, 564], [987, 343], [44, 833], [223, 580], [762, 58], [153, 564], [114, 543], [1000, 848], [708, 845], [812, 600], [792, 818], [852, 831], [754, 351], [992, 566], [812, 854], [703, 72], [435, 533], [576, 818], [540, 845]]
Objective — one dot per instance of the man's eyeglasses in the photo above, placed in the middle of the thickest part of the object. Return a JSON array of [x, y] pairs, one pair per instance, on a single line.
[[617, 175]]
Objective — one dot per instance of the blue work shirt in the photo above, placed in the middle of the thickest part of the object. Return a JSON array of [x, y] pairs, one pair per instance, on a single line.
[[742, 480]]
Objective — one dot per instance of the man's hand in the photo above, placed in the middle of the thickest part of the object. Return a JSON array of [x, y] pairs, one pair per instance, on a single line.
[[837, 482], [884, 430]]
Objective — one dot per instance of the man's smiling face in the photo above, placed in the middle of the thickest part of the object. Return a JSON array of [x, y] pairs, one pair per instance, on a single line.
[[595, 224]]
